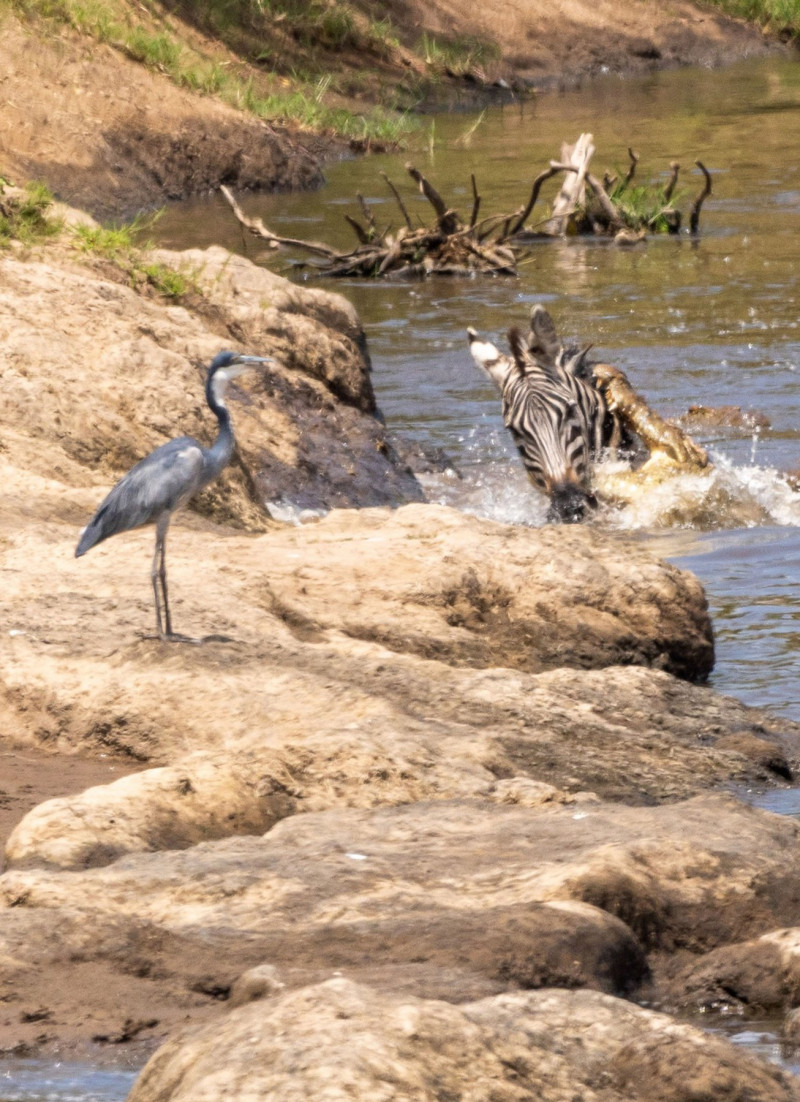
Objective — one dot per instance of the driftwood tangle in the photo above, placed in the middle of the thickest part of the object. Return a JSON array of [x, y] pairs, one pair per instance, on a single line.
[[493, 245]]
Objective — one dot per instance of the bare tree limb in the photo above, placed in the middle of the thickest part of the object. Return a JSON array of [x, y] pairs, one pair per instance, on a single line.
[[360, 232], [372, 229], [448, 219], [537, 185], [599, 191], [632, 169], [399, 201], [706, 191], [257, 227], [674, 168], [476, 203], [493, 244], [608, 207]]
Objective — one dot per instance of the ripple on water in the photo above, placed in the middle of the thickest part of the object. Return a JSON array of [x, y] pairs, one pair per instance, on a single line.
[[28, 1080]]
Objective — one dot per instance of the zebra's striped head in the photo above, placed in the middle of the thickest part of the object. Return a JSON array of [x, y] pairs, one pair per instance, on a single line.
[[550, 412], [555, 416]]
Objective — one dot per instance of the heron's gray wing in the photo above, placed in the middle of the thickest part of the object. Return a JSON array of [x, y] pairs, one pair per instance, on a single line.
[[159, 483]]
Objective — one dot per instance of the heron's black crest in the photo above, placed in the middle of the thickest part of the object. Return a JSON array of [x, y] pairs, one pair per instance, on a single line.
[[222, 359]]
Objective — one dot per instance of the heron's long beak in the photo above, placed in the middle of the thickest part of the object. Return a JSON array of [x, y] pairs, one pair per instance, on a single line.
[[242, 364]]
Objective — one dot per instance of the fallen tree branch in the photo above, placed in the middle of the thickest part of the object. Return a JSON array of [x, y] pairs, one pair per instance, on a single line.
[[448, 219], [706, 191], [674, 169], [399, 201], [494, 244], [537, 187], [258, 229], [476, 203], [634, 158]]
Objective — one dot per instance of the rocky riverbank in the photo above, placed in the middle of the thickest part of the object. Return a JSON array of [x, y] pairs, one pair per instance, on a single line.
[[455, 784]]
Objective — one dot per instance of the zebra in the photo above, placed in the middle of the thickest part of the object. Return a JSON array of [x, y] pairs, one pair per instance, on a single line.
[[558, 419]]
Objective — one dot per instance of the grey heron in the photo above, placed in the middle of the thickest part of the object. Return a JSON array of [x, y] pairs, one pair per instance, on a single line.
[[166, 479]]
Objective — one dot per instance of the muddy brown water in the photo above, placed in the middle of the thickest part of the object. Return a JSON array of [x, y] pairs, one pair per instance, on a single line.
[[714, 322]]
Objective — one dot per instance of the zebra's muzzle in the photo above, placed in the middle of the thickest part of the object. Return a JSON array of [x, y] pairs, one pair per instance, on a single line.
[[569, 504]]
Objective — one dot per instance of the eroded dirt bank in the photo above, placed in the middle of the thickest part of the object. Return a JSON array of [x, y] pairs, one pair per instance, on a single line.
[[452, 764], [114, 138]]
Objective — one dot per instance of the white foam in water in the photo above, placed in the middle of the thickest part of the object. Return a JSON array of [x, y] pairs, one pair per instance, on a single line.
[[494, 491], [725, 497], [490, 482], [288, 513]]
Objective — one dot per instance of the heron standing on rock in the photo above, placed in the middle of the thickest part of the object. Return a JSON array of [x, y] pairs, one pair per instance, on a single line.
[[166, 479]]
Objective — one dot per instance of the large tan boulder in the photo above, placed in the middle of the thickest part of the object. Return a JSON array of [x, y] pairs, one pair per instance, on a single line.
[[758, 977], [340, 1040], [375, 657], [440, 899], [96, 375]]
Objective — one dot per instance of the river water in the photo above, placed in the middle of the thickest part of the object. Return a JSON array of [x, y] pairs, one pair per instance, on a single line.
[[713, 322]]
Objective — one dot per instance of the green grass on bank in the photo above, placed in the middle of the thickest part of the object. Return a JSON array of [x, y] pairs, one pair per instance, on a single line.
[[459, 55], [27, 220], [781, 17], [25, 214], [146, 33], [126, 247]]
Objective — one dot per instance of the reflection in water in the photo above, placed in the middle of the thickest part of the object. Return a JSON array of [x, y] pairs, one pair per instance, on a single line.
[[762, 1038]]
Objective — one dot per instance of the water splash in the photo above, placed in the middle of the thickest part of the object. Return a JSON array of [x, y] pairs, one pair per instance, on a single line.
[[494, 491], [725, 497], [488, 483]]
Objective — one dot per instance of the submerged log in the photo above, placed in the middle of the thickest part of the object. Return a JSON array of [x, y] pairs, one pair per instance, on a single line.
[[494, 245]]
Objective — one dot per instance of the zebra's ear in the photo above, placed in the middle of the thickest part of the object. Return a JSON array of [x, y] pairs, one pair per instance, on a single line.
[[488, 358], [524, 361], [575, 363], [544, 341]]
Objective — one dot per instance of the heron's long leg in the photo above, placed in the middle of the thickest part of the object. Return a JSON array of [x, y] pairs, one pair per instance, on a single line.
[[159, 578], [158, 575]]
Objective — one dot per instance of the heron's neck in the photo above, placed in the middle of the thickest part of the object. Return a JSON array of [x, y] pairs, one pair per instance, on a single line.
[[220, 452]]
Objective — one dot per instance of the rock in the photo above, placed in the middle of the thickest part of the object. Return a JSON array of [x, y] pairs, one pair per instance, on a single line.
[[444, 899], [791, 1027], [399, 765], [341, 1040], [167, 808], [419, 659], [755, 977], [312, 331], [470, 592], [256, 983], [305, 423]]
